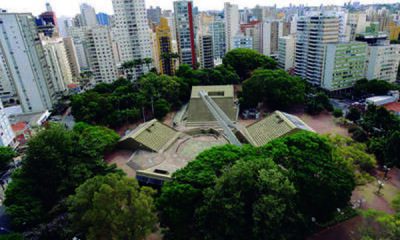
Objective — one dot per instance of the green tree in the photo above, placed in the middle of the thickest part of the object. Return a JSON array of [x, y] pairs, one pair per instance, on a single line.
[[12, 236], [245, 61], [337, 113], [376, 87], [324, 182], [209, 189], [161, 108], [219, 75], [354, 114], [251, 200], [353, 153], [378, 121], [316, 103], [392, 150], [274, 87], [128, 214], [180, 198], [380, 226], [6, 156], [57, 161]]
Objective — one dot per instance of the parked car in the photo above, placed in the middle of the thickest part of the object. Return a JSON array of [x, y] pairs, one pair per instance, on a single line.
[[251, 113]]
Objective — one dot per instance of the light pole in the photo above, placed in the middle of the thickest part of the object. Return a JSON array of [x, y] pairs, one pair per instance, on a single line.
[[380, 186], [386, 171]]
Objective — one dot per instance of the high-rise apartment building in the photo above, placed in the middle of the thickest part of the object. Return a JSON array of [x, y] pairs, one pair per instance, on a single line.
[[231, 17], [6, 133], [99, 47], [206, 51], [253, 29], [132, 33], [286, 52], [185, 32], [7, 89], [26, 62], [72, 57], [242, 41], [383, 62], [57, 61], [78, 36], [272, 30], [154, 15], [382, 57], [313, 32], [103, 19], [344, 65], [164, 48], [217, 31], [88, 15]]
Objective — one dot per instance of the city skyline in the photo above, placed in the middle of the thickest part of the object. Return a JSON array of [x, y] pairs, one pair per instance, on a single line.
[[71, 7]]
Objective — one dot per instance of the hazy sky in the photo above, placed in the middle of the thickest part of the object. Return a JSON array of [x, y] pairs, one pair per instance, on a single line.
[[71, 7]]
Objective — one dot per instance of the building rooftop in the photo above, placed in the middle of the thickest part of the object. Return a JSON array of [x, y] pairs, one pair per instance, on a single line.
[[394, 107], [214, 91], [152, 136], [199, 114], [276, 125]]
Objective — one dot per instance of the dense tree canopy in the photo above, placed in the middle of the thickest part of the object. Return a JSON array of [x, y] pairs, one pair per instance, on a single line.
[[251, 200], [220, 75], [245, 61], [112, 207], [228, 184], [122, 101], [376, 87], [316, 103], [323, 180], [57, 161], [6, 156], [274, 87]]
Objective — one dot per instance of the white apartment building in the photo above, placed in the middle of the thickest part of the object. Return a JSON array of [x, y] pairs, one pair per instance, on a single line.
[[217, 31], [72, 57], [88, 15], [232, 27], [313, 32], [78, 36], [242, 41], [7, 89], [6, 133], [383, 62], [132, 32], [57, 60], [272, 30], [100, 52], [25, 62], [286, 52]]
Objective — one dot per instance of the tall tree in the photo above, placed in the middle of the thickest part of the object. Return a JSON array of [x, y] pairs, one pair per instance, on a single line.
[[6, 156], [245, 61], [57, 161], [112, 207], [324, 182], [274, 87], [251, 200]]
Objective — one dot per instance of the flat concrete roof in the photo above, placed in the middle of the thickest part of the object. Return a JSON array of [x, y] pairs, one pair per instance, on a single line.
[[214, 91]]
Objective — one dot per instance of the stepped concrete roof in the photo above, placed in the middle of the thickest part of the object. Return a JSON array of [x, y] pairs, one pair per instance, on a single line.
[[214, 91], [222, 95], [276, 125], [152, 136]]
